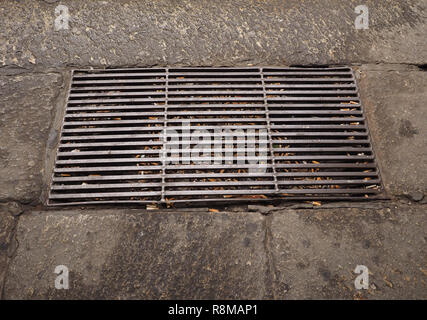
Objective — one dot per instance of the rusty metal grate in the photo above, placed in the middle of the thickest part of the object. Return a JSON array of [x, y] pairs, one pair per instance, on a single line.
[[120, 125]]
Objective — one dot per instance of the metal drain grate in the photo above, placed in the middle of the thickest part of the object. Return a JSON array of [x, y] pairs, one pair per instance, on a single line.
[[297, 133]]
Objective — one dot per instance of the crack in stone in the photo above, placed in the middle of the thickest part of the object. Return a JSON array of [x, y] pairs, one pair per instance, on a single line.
[[271, 273]]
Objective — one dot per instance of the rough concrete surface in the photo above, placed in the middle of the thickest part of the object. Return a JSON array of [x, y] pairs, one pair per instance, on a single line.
[[27, 104], [125, 254], [315, 252], [281, 253], [394, 101], [292, 254], [129, 33]]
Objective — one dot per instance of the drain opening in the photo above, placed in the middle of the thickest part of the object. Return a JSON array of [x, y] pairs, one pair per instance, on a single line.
[[163, 135]]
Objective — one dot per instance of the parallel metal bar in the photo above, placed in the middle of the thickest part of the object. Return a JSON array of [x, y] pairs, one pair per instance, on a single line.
[[316, 112], [109, 137], [230, 99], [308, 73], [115, 114], [213, 113], [212, 105], [143, 152], [100, 195], [313, 105], [165, 138], [311, 99], [216, 166], [205, 192], [116, 81], [159, 176], [237, 176], [115, 88], [117, 75], [124, 107], [337, 119], [214, 184], [116, 129], [207, 134], [117, 94], [316, 80], [183, 93], [269, 86], [106, 186], [189, 120], [278, 127], [172, 74], [187, 184], [267, 116], [173, 88], [225, 158], [195, 113], [320, 126], [95, 101], [317, 134], [312, 92], [271, 80], [88, 202], [269, 191], [160, 143], [327, 174], [293, 198], [303, 69]]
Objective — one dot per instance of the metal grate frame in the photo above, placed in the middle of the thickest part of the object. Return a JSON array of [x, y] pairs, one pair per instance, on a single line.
[[113, 146]]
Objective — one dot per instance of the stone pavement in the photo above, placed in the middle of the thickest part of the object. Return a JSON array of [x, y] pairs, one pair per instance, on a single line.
[[293, 252], [290, 254], [214, 32]]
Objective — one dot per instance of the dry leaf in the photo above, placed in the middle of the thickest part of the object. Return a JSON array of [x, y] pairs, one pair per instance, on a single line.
[[388, 282]]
